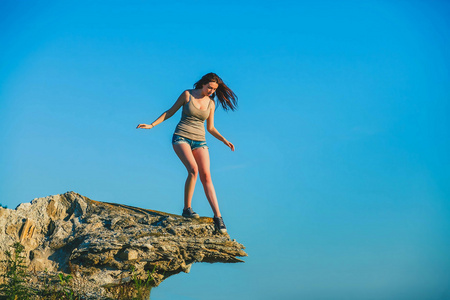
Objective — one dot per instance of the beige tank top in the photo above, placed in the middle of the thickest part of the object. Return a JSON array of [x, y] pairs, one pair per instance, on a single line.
[[192, 121]]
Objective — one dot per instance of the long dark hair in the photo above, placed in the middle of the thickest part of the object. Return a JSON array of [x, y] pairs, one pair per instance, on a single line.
[[224, 94]]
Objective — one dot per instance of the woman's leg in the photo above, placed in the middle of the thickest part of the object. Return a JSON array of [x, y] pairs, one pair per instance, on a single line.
[[184, 152], [201, 156]]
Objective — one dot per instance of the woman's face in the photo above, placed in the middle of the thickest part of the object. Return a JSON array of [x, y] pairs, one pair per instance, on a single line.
[[209, 88]]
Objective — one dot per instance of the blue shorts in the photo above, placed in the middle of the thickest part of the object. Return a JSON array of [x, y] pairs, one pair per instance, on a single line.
[[176, 139]]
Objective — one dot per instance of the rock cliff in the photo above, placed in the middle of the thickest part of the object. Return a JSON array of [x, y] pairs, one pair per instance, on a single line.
[[101, 241]]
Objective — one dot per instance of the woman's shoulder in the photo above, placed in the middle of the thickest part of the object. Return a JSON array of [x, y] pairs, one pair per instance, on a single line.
[[190, 93], [187, 92], [186, 95], [212, 103]]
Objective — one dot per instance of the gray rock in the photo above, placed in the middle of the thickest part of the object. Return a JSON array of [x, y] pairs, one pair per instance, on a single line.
[[100, 241]]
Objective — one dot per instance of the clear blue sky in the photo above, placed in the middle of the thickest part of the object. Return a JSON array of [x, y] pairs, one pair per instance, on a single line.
[[339, 185]]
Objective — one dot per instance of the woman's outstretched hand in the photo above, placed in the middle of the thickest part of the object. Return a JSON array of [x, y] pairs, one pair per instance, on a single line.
[[229, 145], [145, 126]]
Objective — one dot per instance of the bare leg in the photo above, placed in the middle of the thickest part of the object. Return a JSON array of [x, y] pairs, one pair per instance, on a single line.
[[201, 156], [184, 152]]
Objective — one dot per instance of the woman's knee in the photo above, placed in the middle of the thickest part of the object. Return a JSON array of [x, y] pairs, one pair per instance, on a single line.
[[192, 171], [205, 177]]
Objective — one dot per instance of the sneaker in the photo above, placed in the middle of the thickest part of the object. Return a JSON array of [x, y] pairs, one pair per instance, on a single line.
[[220, 225], [189, 213]]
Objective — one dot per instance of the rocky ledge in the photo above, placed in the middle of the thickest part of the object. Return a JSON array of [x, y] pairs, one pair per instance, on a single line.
[[101, 241]]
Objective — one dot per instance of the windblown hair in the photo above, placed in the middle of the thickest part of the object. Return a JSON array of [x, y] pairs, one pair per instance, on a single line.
[[224, 94]]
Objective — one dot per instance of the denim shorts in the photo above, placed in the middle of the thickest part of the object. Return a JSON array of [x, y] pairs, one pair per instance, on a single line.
[[176, 139]]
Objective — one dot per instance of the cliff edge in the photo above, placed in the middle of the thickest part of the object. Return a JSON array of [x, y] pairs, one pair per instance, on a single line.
[[101, 242]]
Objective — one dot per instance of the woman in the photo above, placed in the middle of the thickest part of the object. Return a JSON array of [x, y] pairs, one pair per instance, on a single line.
[[189, 140]]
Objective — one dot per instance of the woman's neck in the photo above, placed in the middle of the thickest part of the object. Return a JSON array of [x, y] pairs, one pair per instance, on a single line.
[[199, 94]]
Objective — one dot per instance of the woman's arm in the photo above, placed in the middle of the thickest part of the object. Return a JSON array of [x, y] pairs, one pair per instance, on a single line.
[[211, 129], [168, 113]]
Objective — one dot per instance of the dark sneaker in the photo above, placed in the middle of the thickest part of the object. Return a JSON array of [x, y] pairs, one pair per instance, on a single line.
[[220, 225], [189, 213]]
